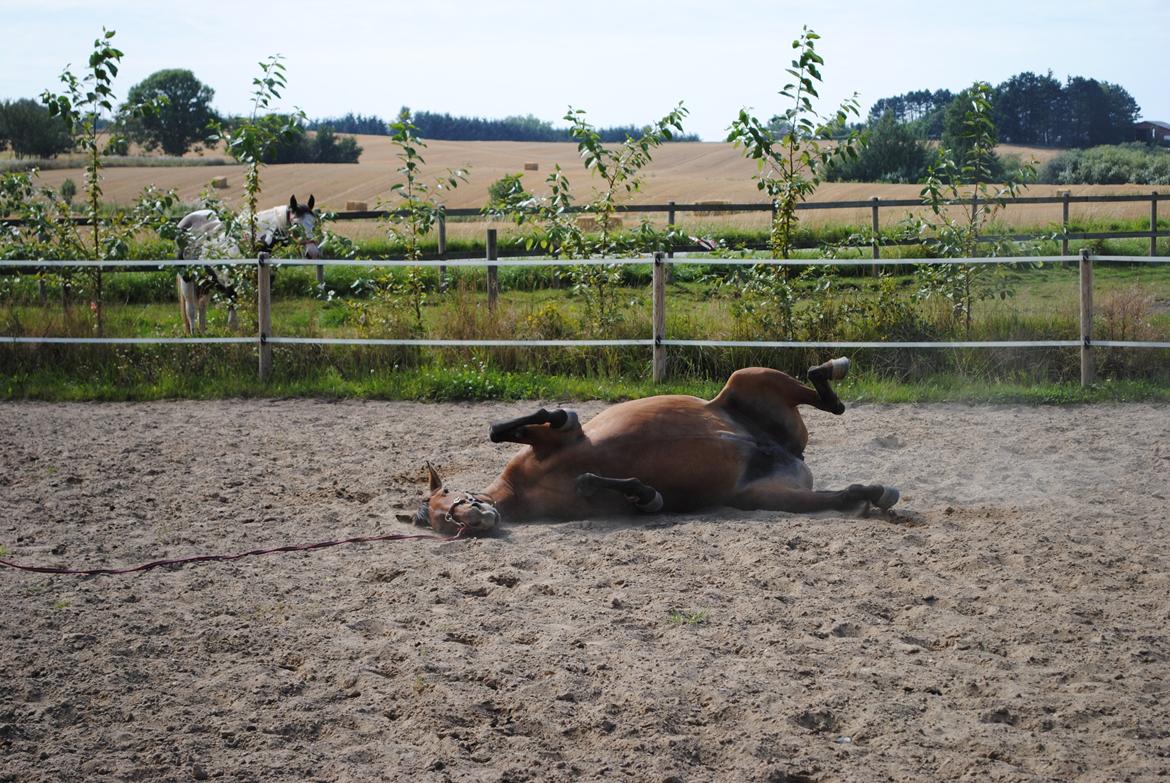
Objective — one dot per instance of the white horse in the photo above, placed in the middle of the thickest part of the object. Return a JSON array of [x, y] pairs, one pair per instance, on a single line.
[[202, 236]]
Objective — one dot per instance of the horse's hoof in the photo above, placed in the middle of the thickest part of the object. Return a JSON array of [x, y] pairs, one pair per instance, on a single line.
[[585, 486], [571, 421], [653, 506], [889, 497], [832, 370]]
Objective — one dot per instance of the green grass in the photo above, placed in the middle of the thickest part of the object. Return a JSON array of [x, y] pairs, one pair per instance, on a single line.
[[237, 379], [688, 616]]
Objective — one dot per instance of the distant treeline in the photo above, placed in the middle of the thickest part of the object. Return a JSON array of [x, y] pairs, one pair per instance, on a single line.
[[433, 125], [1029, 109], [1095, 119]]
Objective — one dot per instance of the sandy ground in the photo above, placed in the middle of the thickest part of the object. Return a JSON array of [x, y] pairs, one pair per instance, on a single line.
[[1011, 625]]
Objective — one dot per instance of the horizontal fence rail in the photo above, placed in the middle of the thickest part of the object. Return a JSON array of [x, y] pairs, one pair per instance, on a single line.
[[658, 341], [754, 206]]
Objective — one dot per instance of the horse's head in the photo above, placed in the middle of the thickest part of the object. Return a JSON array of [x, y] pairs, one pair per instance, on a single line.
[[302, 222], [450, 512]]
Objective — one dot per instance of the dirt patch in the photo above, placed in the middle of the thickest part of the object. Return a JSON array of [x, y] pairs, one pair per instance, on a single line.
[[1011, 625]]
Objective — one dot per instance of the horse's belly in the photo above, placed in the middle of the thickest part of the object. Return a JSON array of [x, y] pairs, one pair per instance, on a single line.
[[688, 471]]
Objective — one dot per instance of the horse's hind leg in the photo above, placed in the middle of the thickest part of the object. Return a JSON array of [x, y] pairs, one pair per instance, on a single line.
[[777, 496], [832, 370], [766, 400], [643, 496], [516, 430], [187, 305]]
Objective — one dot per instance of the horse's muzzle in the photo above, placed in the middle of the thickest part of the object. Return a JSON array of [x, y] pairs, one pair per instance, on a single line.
[[480, 520], [473, 515]]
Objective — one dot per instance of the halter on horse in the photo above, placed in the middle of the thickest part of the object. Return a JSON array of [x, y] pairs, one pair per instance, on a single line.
[[203, 236], [744, 449]]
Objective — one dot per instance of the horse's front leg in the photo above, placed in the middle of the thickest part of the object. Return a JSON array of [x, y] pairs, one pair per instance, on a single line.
[[517, 430], [204, 298], [642, 496]]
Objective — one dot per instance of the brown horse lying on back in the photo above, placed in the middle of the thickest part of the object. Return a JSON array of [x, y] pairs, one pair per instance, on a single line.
[[745, 449]]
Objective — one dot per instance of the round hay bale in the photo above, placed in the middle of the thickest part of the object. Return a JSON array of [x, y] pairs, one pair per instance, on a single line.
[[588, 223], [532, 167], [356, 206], [219, 183]]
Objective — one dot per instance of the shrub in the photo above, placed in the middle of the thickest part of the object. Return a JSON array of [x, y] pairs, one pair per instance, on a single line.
[[117, 146], [506, 189], [68, 191], [1119, 164]]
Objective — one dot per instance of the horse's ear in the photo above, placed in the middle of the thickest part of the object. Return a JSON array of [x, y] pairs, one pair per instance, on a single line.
[[436, 480], [292, 203], [312, 201]]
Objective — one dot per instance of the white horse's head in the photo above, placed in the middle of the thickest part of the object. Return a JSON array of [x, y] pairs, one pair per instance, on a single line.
[[302, 226]]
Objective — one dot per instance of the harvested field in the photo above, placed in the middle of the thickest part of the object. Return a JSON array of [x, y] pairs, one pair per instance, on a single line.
[[1009, 625], [682, 172]]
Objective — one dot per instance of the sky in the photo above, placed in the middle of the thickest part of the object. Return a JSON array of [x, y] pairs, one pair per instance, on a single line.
[[623, 61]]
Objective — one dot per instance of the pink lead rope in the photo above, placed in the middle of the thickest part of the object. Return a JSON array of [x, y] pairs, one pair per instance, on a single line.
[[222, 558]]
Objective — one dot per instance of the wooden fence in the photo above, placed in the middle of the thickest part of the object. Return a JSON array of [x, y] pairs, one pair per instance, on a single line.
[[672, 209], [874, 205], [658, 342]]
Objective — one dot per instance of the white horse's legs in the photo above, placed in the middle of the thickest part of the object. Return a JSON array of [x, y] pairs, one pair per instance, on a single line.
[[187, 303]]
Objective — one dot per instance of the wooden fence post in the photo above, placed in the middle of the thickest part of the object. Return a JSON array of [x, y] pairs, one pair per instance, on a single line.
[[493, 282], [264, 314], [442, 251], [670, 218], [1064, 223], [875, 225], [1088, 371], [659, 317], [1154, 223]]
